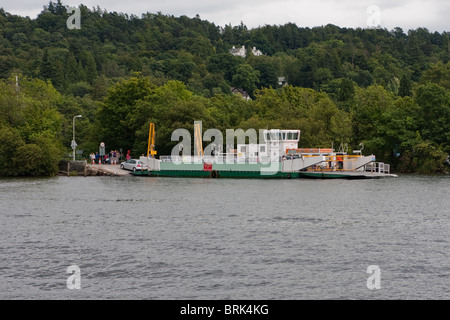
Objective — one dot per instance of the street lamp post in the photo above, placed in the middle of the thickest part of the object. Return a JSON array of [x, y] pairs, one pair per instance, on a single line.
[[74, 144]]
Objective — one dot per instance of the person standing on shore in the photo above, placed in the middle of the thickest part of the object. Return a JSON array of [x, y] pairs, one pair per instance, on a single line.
[[115, 154]]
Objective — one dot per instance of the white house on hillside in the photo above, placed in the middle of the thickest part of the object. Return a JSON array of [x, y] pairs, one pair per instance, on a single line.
[[256, 53], [242, 52]]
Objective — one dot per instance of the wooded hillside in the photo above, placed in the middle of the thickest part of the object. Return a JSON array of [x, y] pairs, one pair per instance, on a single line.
[[388, 89]]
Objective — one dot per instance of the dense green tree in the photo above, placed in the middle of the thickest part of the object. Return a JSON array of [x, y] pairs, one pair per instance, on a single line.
[[434, 113], [47, 69], [405, 86], [224, 64], [11, 141], [370, 104], [72, 74], [267, 68], [246, 78], [30, 128], [321, 122], [346, 90], [113, 121], [438, 73], [424, 157], [90, 68]]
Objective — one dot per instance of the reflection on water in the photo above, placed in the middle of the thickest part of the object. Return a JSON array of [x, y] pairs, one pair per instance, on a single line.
[[168, 238]]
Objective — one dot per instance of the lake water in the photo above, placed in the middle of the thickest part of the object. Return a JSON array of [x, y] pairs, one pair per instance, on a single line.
[[168, 238]]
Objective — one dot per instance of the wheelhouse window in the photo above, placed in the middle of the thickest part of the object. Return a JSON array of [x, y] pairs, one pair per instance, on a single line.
[[274, 136]]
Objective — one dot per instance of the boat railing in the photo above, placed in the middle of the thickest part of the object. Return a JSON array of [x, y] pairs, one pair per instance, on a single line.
[[378, 167], [226, 159], [312, 151], [181, 159], [375, 167]]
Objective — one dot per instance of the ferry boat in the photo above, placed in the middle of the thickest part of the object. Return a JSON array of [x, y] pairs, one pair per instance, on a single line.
[[277, 157]]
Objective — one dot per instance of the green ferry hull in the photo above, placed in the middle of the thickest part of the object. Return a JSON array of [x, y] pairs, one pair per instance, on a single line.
[[256, 175], [222, 174], [179, 174], [223, 170]]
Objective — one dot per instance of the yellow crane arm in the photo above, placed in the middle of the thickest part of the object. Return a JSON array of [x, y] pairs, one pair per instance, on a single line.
[[151, 141]]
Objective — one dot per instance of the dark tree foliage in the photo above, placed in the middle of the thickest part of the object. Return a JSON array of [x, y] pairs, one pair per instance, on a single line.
[[405, 86], [181, 48]]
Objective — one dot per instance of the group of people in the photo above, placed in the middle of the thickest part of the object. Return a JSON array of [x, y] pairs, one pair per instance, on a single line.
[[113, 157]]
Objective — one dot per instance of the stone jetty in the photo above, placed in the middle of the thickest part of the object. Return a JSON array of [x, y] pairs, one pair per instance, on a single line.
[[106, 170], [82, 168]]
